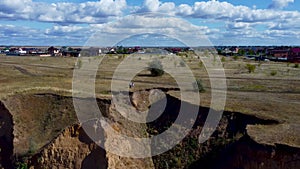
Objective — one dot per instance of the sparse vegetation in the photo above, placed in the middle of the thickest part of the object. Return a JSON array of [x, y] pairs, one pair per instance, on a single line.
[[182, 64], [273, 73], [21, 165], [248, 94], [235, 57], [200, 64], [162, 57], [156, 68], [296, 65], [223, 59], [198, 85], [79, 64], [251, 68], [182, 54], [32, 147], [259, 64]]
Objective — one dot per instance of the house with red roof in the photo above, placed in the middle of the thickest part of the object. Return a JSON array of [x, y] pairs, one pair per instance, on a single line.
[[279, 54], [294, 55]]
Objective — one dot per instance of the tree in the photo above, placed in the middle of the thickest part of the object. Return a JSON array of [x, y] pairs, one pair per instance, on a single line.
[[70, 49], [241, 52]]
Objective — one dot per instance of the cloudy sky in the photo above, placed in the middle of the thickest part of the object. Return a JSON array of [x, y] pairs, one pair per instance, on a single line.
[[76, 22]]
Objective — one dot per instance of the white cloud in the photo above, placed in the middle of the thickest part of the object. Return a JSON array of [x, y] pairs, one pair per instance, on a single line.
[[14, 5], [110, 33], [156, 6], [16, 31], [210, 9], [279, 4], [57, 35], [15, 35], [185, 10], [227, 12], [224, 20], [238, 25], [286, 37], [87, 12], [59, 30], [15, 9], [151, 5], [241, 20]]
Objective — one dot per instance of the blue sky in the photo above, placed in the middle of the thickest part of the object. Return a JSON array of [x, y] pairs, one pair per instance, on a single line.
[[76, 22]]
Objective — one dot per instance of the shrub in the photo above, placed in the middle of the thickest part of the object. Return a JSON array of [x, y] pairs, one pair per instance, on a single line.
[[78, 64], [21, 165], [235, 57], [259, 64], [121, 56], [198, 85], [200, 64], [273, 73], [251, 68], [181, 63], [223, 59], [156, 68], [296, 65]]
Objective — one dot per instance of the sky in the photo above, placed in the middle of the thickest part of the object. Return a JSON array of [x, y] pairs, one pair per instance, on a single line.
[[108, 22]]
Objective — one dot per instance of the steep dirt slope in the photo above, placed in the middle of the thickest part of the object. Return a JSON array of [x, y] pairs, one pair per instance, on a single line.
[[47, 134], [71, 149], [6, 137], [41, 130], [38, 118]]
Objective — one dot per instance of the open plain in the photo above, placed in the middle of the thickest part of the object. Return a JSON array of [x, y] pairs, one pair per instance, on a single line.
[[42, 130]]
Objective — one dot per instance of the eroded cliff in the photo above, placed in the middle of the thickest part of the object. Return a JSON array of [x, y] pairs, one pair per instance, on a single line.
[[42, 131]]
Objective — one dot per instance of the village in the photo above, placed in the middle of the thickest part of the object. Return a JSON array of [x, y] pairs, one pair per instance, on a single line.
[[258, 53]]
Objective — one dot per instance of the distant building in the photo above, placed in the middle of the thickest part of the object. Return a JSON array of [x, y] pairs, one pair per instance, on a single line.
[[279, 54], [53, 51], [22, 51], [70, 52], [294, 55], [17, 51], [92, 51]]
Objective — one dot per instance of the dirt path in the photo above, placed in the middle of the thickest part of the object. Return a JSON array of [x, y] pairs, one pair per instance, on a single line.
[[24, 71]]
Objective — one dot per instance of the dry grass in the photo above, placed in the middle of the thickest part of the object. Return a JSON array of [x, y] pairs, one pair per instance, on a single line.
[[259, 93]]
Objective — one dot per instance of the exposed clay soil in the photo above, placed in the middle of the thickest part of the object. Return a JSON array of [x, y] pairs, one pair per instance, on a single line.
[[42, 131]]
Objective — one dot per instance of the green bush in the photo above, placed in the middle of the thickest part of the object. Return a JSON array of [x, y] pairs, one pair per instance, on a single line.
[[273, 73], [235, 57], [21, 165], [200, 64], [156, 68], [223, 59], [198, 85], [296, 65], [251, 68]]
